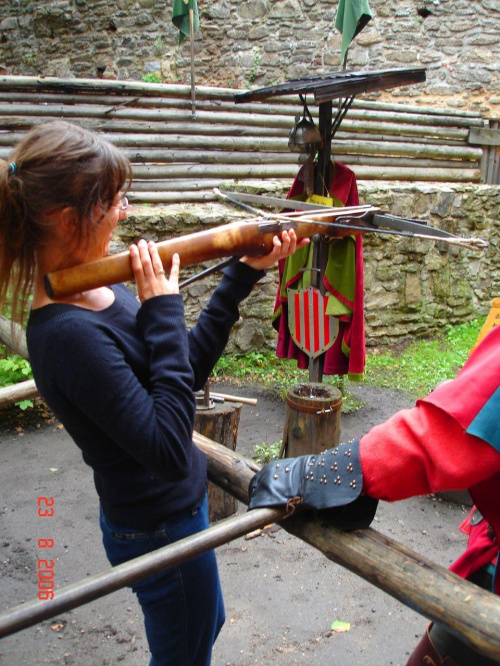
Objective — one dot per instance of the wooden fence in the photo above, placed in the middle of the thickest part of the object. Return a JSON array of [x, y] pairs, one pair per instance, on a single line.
[[178, 156]]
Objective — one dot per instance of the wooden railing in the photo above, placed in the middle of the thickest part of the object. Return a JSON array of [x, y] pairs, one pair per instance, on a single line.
[[180, 157]]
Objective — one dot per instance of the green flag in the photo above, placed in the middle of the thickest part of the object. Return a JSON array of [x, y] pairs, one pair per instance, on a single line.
[[180, 17], [352, 16]]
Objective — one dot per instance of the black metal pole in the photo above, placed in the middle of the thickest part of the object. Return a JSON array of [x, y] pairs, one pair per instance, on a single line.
[[322, 175], [321, 187], [80, 593]]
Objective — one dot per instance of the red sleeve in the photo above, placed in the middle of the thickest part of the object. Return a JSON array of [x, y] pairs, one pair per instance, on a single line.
[[423, 450]]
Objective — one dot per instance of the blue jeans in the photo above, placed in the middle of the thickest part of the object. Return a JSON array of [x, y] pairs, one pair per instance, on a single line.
[[183, 606]]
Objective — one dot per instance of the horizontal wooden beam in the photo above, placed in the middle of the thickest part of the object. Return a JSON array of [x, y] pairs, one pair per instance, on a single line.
[[433, 591], [18, 392], [468, 611], [218, 123], [53, 86], [94, 587], [52, 83], [484, 137]]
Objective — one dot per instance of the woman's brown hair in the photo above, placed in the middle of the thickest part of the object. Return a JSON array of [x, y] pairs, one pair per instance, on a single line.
[[56, 165]]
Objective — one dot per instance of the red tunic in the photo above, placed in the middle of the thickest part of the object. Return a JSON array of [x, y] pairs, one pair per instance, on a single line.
[[449, 441], [347, 354]]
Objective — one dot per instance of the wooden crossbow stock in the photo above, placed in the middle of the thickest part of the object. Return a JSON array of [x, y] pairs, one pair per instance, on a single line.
[[250, 237]]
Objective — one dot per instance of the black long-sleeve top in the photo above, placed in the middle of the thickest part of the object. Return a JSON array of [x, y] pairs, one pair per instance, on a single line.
[[121, 381]]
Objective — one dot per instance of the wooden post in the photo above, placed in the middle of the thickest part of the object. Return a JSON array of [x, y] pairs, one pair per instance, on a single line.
[[220, 424], [312, 420], [191, 47]]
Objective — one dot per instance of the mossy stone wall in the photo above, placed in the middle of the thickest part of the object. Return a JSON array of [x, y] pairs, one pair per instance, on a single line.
[[260, 42], [413, 288]]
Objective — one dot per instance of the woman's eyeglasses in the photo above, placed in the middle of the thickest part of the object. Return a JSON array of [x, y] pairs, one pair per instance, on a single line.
[[122, 206]]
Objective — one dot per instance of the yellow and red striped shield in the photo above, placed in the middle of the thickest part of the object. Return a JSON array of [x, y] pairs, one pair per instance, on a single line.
[[311, 328]]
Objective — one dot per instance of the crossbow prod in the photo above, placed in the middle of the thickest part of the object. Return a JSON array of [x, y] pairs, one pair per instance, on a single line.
[[366, 220], [250, 237]]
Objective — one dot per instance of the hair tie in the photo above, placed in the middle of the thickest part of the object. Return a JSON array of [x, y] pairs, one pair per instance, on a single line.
[[12, 168]]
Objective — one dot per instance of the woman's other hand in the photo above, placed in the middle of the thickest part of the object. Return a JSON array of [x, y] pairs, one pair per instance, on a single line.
[[149, 273], [282, 248]]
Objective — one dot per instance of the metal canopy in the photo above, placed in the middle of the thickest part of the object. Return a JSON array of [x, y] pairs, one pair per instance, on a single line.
[[327, 87]]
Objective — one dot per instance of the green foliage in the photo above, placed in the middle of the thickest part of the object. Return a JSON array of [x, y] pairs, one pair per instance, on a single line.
[[14, 369], [277, 375], [264, 368], [159, 46], [24, 404], [255, 66], [264, 453], [416, 370], [425, 363], [152, 77], [28, 57]]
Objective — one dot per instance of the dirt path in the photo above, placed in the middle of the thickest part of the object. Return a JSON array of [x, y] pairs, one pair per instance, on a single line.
[[281, 595]]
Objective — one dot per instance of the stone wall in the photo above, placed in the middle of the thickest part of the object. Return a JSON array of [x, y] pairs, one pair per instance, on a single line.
[[413, 288], [259, 42]]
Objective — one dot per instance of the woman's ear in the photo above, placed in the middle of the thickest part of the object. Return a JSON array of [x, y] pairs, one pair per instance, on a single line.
[[65, 226], [68, 220]]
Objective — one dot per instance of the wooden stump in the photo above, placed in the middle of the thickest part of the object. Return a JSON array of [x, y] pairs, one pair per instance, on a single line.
[[313, 419], [220, 424]]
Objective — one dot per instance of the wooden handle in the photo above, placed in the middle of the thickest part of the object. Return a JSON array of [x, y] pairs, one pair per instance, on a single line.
[[234, 239], [225, 241], [193, 248], [235, 398]]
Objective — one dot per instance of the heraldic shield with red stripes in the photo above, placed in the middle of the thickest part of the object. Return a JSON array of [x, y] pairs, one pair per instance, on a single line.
[[311, 328]]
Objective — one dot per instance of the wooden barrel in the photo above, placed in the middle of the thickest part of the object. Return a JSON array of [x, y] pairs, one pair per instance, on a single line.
[[312, 420], [220, 424]]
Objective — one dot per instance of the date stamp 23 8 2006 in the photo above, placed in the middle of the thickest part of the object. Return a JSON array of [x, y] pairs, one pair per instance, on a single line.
[[45, 567]]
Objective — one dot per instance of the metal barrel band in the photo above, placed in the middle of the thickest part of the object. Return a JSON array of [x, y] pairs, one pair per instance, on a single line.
[[313, 409]]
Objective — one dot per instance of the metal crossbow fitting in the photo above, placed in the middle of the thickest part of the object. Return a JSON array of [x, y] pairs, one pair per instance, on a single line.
[[364, 219]]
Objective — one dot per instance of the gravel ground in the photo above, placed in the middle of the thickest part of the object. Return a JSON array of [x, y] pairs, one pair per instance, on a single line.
[[281, 594]]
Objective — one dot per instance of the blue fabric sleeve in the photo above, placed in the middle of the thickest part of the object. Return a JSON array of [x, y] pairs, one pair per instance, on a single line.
[[209, 337]]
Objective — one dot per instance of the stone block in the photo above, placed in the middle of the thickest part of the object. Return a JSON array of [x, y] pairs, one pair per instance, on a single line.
[[153, 66], [413, 291], [253, 9], [286, 9], [9, 23], [219, 11]]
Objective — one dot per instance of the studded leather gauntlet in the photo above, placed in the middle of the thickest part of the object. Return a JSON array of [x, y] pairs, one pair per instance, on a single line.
[[318, 481]]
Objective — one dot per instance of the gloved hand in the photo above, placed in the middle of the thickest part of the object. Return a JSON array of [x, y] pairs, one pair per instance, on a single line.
[[318, 481]]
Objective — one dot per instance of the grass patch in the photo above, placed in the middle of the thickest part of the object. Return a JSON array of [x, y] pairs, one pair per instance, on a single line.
[[416, 370], [264, 368], [265, 453], [276, 376], [424, 363]]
